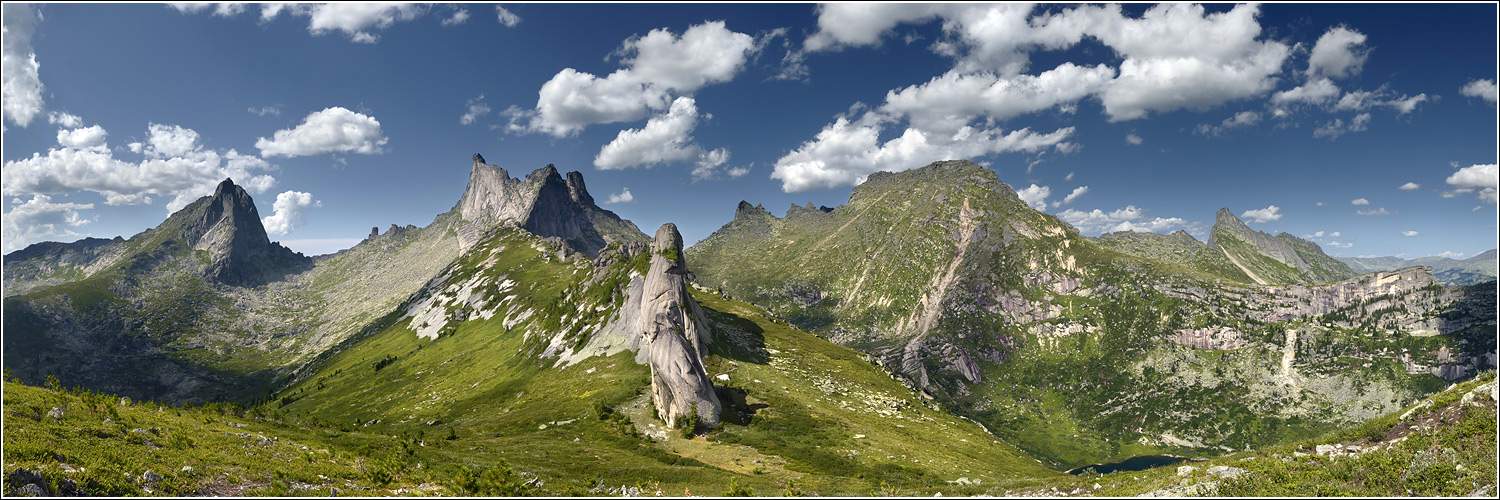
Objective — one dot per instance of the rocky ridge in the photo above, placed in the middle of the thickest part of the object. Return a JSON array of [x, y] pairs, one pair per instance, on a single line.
[[1273, 260], [544, 203]]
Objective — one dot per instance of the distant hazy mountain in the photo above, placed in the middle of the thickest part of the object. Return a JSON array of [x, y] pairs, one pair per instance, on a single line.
[[1476, 269]]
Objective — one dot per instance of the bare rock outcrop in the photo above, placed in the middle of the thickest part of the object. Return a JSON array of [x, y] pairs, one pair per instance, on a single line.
[[674, 337]]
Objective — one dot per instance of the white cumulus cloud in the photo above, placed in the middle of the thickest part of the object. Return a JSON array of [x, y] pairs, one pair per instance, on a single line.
[[1481, 89], [20, 77], [1339, 53], [1338, 127], [1315, 91], [357, 20], [506, 17], [1237, 120], [1483, 179], [82, 138], [846, 152], [1173, 56], [459, 16], [1410, 186], [1130, 218], [623, 196], [332, 130], [657, 67], [667, 138], [287, 212], [711, 162], [63, 119], [1035, 196], [1075, 194], [41, 219], [1263, 215], [175, 166], [475, 109]]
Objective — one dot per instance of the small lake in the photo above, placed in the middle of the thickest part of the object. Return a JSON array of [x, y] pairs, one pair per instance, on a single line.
[[1141, 462]]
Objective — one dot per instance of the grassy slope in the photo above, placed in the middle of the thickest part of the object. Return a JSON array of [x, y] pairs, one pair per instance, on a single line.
[[1443, 447], [1175, 254], [104, 445], [1271, 270], [810, 398], [1072, 399]]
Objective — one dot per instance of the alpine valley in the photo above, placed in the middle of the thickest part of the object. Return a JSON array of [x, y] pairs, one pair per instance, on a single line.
[[933, 335]]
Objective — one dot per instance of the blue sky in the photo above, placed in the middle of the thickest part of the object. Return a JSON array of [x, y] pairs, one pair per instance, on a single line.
[[1163, 113]]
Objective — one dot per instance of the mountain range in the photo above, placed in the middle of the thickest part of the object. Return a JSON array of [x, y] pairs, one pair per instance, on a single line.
[[1476, 269], [933, 334]]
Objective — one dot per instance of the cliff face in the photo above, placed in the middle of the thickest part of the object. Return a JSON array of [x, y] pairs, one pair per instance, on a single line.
[[675, 336], [544, 203]]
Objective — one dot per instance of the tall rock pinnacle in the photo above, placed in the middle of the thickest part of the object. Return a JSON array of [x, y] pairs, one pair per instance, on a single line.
[[675, 336]]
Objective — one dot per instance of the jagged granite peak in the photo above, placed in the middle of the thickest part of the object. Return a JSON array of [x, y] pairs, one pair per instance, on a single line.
[[543, 203], [1279, 259], [675, 336], [227, 227], [745, 209]]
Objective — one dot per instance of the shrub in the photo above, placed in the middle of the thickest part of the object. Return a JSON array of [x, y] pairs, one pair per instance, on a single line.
[[689, 425], [384, 362], [737, 490], [498, 480]]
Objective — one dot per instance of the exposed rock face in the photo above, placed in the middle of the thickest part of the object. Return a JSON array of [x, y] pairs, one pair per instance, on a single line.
[[543, 203], [227, 227], [675, 336]]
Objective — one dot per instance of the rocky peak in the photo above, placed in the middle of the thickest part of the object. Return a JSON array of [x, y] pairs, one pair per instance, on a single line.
[[675, 335], [1249, 250], [745, 209], [543, 203], [227, 227], [806, 210], [1224, 216]]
